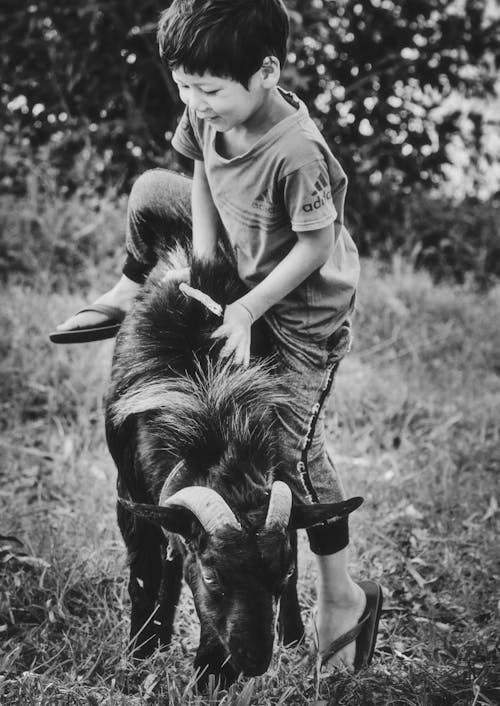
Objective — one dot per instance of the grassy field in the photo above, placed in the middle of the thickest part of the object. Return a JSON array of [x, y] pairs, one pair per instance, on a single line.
[[414, 426]]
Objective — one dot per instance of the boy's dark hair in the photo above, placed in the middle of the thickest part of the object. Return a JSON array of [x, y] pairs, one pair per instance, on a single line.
[[227, 38]]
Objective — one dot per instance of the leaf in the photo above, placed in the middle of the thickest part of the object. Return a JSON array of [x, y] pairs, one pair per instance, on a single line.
[[33, 561], [10, 538], [492, 509], [411, 511], [150, 683], [245, 697], [284, 697], [415, 575]]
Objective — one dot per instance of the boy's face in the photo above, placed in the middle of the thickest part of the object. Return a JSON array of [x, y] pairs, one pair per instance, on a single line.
[[224, 103]]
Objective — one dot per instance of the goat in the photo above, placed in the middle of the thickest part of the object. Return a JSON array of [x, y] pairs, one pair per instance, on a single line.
[[196, 449]]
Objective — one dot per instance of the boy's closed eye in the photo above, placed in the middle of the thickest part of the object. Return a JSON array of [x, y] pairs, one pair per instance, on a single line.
[[206, 91]]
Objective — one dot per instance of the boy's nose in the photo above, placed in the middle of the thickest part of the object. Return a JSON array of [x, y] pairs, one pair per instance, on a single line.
[[197, 103]]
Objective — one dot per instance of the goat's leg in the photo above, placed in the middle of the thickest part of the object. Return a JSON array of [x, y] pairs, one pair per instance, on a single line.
[[212, 658], [143, 542], [291, 627], [168, 597]]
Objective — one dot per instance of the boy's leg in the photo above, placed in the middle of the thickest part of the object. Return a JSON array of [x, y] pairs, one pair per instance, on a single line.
[[340, 605], [340, 601], [159, 210]]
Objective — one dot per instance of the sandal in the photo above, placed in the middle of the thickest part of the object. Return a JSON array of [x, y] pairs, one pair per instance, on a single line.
[[364, 633], [99, 332]]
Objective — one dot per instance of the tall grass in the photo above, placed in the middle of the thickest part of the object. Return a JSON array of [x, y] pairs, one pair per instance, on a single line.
[[413, 425]]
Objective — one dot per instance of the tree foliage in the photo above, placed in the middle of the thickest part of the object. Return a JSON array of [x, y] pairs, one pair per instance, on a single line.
[[83, 85], [378, 74], [86, 74]]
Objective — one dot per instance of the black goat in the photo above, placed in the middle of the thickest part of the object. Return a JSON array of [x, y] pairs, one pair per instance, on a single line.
[[197, 456]]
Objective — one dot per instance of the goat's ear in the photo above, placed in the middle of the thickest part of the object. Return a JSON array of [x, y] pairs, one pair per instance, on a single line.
[[172, 519], [303, 516]]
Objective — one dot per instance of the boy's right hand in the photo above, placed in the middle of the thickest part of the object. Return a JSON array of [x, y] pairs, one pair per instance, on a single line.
[[236, 329]]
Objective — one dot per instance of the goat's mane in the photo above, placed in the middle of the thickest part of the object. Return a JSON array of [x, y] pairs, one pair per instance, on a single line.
[[220, 406], [167, 370]]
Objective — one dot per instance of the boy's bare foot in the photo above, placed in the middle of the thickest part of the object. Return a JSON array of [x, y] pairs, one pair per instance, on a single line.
[[120, 296], [333, 618]]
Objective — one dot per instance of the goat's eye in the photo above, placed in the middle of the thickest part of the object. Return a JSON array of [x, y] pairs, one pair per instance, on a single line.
[[209, 577]]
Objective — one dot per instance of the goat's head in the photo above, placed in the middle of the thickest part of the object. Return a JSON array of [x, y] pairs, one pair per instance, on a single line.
[[237, 570]]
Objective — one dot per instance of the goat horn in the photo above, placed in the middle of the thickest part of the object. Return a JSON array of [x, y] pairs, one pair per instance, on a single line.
[[280, 506], [177, 479], [207, 505]]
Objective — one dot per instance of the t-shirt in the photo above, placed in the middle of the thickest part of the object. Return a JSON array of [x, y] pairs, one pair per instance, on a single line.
[[287, 181]]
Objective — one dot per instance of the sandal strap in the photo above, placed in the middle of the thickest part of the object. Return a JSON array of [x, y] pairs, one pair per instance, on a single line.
[[113, 312], [344, 639]]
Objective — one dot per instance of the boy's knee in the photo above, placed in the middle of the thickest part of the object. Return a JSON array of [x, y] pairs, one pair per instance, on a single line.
[[144, 189]]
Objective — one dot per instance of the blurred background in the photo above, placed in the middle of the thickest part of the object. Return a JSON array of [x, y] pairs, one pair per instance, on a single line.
[[406, 93]]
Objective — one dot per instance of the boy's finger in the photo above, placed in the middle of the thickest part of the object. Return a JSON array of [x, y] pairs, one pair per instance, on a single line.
[[242, 355], [220, 332], [237, 357], [227, 349]]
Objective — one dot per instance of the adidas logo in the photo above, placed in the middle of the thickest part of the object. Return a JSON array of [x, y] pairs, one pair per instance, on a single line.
[[322, 192], [261, 202]]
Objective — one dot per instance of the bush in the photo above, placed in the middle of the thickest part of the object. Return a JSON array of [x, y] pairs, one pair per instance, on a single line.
[[87, 106], [83, 75], [58, 236], [455, 241]]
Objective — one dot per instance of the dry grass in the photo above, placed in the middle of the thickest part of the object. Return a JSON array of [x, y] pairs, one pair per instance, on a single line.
[[415, 428]]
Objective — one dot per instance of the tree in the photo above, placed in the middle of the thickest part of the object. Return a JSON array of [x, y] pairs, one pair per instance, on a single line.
[[86, 74], [376, 75]]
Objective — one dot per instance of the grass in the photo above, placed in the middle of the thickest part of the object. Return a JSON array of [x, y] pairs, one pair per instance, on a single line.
[[414, 427]]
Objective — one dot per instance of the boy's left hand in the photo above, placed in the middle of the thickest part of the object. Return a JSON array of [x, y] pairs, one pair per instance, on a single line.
[[237, 330]]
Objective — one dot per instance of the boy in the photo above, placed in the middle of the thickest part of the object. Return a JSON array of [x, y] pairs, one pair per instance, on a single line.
[[265, 184]]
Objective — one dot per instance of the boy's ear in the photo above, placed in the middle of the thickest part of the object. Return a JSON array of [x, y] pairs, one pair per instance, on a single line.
[[270, 71]]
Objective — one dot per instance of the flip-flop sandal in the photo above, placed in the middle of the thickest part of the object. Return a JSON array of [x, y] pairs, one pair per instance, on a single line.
[[364, 633], [106, 329]]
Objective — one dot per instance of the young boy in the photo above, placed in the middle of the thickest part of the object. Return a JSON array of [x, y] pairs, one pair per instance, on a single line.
[[266, 184]]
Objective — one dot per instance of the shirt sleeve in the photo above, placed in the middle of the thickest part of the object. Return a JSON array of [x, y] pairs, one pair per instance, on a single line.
[[308, 197], [186, 139]]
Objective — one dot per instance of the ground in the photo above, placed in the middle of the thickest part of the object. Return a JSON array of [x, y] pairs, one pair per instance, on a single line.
[[414, 427]]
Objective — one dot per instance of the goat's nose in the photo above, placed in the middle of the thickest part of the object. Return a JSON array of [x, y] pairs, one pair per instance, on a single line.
[[251, 665]]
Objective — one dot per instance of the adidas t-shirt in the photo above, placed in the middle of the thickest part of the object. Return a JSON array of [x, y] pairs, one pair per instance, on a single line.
[[287, 181]]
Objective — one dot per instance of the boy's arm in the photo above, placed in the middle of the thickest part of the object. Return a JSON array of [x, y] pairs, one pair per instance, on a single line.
[[310, 252], [206, 221]]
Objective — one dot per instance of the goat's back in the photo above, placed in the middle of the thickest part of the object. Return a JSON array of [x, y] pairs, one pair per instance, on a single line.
[[169, 395]]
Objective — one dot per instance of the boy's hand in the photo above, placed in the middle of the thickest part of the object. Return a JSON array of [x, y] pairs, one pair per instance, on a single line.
[[237, 330]]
